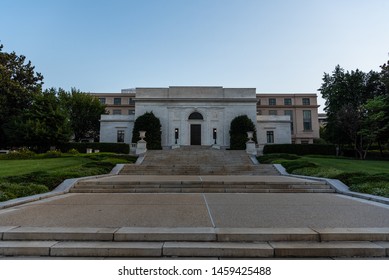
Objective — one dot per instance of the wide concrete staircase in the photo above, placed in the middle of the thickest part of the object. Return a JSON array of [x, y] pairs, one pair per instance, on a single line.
[[199, 170], [195, 242], [197, 161]]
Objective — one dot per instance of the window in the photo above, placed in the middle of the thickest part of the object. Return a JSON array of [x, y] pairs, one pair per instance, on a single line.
[[272, 102], [305, 142], [117, 101], [102, 100], [306, 101], [273, 112], [116, 112], [195, 116], [120, 136], [307, 120], [287, 101], [270, 137], [259, 112], [131, 101], [131, 112], [259, 101], [290, 114]]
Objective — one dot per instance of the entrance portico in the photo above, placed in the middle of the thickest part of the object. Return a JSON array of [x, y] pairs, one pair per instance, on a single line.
[[196, 115]]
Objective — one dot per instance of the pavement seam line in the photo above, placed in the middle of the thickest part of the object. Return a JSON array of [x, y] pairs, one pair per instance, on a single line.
[[209, 210], [318, 233]]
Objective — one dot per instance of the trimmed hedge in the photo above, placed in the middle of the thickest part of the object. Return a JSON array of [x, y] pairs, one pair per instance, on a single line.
[[119, 148], [300, 149]]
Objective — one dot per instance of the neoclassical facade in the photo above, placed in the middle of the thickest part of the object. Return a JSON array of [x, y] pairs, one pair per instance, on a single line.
[[202, 115]]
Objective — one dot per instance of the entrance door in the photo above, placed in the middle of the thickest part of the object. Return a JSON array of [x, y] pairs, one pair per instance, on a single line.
[[195, 134]]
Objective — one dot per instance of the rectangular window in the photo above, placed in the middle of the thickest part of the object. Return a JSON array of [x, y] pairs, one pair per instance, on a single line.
[[120, 136], [117, 101], [306, 101], [131, 112], [307, 120], [259, 112], [287, 101], [270, 137], [102, 100], [131, 101], [259, 101], [272, 102], [116, 112], [273, 112], [290, 114]]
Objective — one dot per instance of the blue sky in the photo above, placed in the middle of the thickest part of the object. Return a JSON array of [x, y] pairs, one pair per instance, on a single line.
[[275, 46]]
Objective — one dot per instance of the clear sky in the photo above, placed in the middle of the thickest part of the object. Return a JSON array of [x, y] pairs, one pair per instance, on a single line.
[[275, 46]]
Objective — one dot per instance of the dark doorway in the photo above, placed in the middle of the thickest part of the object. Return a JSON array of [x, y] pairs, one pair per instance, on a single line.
[[195, 134]]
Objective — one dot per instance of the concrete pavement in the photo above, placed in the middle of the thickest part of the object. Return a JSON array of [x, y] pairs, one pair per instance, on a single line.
[[199, 210], [224, 210]]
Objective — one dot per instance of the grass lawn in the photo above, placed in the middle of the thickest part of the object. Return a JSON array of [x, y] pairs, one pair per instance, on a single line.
[[351, 165], [24, 177], [367, 176], [21, 167]]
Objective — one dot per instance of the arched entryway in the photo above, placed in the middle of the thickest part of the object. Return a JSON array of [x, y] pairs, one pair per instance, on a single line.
[[195, 120]]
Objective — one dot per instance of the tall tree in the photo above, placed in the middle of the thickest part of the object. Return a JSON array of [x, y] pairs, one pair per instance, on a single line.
[[384, 75], [45, 123], [375, 126], [345, 94], [84, 113], [19, 84]]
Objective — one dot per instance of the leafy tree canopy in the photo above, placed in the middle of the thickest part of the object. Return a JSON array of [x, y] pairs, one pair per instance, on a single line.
[[84, 111], [45, 123], [346, 94], [19, 84]]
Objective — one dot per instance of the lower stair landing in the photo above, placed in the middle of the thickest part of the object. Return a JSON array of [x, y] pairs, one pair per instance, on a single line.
[[200, 184]]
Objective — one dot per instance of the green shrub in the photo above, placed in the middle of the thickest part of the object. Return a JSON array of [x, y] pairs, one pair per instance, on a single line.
[[376, 188], [238, 132], [12, 190], [270, 158], [23, 153], [318, 172], [119, 148], [292, 165], [73, 151], [300, 149], [37, 177], [351, 178], [150, 123], [52, 154], [99, 164]]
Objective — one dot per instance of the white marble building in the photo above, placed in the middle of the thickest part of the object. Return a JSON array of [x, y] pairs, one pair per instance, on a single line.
[[196, 115]]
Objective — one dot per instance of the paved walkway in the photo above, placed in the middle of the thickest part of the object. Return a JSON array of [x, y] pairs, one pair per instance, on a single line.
[[198, 210], [204, 223]]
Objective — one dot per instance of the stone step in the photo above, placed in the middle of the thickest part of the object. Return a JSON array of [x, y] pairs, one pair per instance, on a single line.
[[203, 182], [192, 234], [183, 190], [347, 249], [194, 242], [311, 249], [199, 187], [184, 170]]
